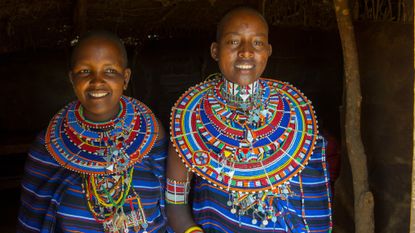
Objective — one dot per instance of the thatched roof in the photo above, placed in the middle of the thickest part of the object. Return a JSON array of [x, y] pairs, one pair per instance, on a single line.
[[54, 23]]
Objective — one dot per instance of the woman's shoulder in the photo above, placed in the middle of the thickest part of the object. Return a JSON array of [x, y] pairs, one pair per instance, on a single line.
[[38, 153]]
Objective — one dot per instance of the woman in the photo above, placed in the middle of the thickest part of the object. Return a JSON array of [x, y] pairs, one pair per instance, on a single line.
[[251, 145], [99, 167]]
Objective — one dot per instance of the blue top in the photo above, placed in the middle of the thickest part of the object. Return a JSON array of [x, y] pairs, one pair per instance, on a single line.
[[52, 198], [306, 210]]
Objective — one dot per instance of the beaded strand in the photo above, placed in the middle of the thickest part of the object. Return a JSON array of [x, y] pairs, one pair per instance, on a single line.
[[324, 164]]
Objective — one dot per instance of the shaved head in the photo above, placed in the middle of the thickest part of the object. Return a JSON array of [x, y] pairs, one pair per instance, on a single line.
[[104, 35], [236, 12]]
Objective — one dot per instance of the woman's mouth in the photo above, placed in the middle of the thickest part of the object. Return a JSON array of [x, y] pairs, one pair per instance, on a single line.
[[97, 94], [245, 66]]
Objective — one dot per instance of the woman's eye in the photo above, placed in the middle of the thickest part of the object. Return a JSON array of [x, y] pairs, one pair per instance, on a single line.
[[110, 71], [233, 42], [258, 43], [84, 71]]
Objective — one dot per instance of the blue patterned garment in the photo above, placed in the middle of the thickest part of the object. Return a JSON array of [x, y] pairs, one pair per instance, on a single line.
[[53, 201], [211, 211]]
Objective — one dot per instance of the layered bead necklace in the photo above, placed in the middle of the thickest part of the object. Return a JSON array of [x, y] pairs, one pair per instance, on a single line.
[[104, 154], [249, 113], [106, 197], [249, 141]]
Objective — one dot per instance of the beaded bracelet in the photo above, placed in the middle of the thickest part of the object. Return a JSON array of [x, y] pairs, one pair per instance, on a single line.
[[194, 229], [177, 191]]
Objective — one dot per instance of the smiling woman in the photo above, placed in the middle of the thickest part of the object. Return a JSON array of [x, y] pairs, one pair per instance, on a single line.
[[249, 146], [99, 76], [99, 167]]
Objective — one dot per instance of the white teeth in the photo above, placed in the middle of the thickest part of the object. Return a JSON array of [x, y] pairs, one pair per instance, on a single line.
[[98, 94], [244, 67]]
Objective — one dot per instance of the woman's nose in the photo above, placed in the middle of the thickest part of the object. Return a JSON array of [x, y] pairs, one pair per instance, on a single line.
[[97, 77], [246, 50]]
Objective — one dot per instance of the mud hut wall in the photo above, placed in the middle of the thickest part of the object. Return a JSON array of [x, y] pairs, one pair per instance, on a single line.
[[386, 58], [386, 69]]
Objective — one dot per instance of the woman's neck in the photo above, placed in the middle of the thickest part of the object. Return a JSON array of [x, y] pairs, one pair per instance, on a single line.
[[100, 121], [243, 97]]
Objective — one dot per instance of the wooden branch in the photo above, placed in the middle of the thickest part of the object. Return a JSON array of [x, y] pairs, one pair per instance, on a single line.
[[405, 12], [412, 218], [80, 17], [263, 4], [166, 16], [356, 10], [390, 16], [399, 10], [366, 10], [363, 197]]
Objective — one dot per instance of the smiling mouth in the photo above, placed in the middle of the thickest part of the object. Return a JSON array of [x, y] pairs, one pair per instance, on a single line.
[[98, 94], [245, 66]]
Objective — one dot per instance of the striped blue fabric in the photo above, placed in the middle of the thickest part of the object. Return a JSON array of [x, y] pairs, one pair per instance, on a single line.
[[212, 213], [52, 198]]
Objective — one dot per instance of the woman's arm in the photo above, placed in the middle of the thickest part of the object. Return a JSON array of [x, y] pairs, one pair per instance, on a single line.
[[39, 198], [178, 211]]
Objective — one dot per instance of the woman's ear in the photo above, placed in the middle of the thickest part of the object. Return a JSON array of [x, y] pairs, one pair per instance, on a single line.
[[70, 77], [127, 76], [214, 51]]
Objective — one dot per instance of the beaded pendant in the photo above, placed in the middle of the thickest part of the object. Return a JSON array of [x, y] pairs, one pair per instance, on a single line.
[[250, 153], [114, 203]]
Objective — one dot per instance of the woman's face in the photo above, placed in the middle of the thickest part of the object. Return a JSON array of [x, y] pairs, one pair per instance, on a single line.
[[99, 77], [242, 49]]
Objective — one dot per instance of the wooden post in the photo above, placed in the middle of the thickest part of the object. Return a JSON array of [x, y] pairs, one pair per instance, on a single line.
[[363, 197], [80, 17], [412, 219]]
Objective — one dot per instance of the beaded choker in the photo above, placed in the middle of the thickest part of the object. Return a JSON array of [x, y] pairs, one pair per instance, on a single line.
[[241, 97], [104, 154]]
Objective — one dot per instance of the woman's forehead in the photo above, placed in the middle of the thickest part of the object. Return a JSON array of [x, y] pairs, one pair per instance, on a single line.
[[97, 48], [241, 20]]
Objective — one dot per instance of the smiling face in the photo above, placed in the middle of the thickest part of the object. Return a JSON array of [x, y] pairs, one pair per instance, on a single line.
[[99, 76], [242, 47]]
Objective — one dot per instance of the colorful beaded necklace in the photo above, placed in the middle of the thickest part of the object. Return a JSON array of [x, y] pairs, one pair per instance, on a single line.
[[238, 97], [250, 146], [104, 154]]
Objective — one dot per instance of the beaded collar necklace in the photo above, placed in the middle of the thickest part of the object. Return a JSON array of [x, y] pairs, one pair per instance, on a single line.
[[251, 153], [241, 97], [104, 154], [101, 148], [226, 148]]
